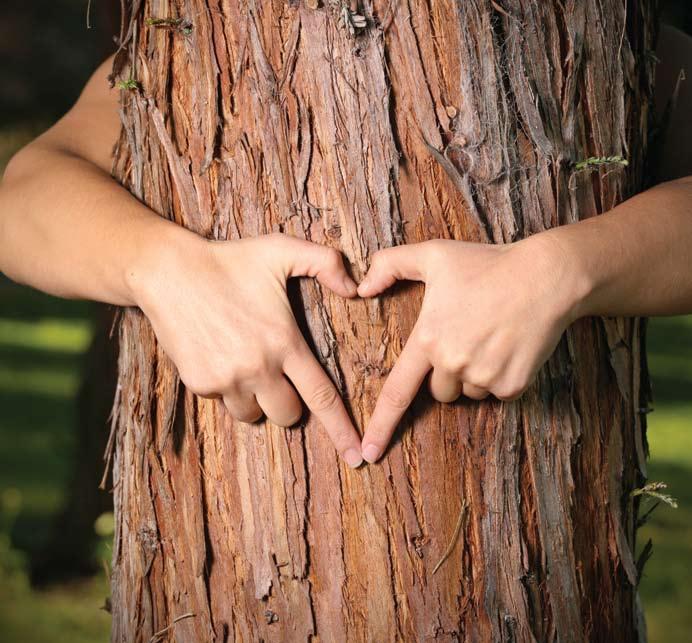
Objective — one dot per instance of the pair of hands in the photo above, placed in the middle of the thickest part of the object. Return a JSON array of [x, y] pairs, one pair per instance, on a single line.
[[490, 317]]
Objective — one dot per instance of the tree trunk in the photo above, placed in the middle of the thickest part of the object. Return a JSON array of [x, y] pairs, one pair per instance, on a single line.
[[448, 119]]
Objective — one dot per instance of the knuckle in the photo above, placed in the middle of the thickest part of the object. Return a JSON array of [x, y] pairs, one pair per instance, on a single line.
[[247, 416], [508, 391], [205, 383], [198, 387], [481, 378], [482, 381], [251, 363], [289, 348], [332, 257], [275, 248], [437, 247], [427, 338], [379, 259], [257, 368], [324, 398], [276, 236], [286, 411], [446, 397], [453, 363], [282, 340], [394, 397], [476, 393]]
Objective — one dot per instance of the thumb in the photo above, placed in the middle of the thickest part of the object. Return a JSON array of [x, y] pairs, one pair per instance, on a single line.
[[392, 264], [303, 258]]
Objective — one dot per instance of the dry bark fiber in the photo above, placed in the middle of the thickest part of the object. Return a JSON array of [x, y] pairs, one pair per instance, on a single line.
[[364, 125]]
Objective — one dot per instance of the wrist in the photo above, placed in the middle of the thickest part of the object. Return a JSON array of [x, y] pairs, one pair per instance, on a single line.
[[162, 246], [574, 282]]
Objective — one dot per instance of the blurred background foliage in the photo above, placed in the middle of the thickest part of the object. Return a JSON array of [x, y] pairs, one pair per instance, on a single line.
[[46, 55]]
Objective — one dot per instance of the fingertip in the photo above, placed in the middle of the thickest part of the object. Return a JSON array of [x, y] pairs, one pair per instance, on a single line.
[[371, 453], [341, 285], [353, 458], [350, 287], [367, 287], [346, 285]]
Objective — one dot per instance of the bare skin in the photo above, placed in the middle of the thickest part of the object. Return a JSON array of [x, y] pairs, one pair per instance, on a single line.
[[67, 228]]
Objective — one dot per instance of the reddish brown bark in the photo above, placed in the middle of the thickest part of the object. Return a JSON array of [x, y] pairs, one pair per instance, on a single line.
[[437, 119]]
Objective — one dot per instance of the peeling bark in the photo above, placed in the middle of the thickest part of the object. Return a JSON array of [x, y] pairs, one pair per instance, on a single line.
[[440, 119]]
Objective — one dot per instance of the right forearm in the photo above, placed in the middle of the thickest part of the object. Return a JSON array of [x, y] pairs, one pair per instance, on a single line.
[[67, 228]]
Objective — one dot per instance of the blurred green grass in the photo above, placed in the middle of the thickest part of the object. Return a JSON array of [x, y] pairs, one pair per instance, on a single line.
[[666, 589], [42, 340], [41, 343]]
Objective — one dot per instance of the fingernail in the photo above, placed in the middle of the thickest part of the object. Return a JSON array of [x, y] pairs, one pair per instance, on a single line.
[[371, 453], [365, 284], [350, 286], [353, 458]]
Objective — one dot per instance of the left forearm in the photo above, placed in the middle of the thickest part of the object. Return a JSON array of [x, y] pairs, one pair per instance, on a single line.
[[634, 260]]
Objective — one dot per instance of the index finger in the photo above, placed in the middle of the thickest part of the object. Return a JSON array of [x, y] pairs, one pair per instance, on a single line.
[[322, 398], [396, 395]]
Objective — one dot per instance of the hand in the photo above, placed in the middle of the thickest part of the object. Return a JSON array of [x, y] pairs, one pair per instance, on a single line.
[[221, 312], [491, 316]]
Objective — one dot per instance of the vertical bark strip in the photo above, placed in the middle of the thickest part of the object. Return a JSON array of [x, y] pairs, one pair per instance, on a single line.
[[447, 119]]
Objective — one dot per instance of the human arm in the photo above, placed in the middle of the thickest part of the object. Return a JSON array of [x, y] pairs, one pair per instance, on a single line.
[[69, 229], [492, 315]]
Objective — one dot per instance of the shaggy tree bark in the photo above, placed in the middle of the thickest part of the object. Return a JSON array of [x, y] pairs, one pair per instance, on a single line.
[[467, 120]]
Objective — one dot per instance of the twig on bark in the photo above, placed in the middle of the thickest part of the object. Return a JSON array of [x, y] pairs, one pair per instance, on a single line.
[[349, 17], [460, 179], [504, 12], [594, 163], [653, 489], [183, 25], [130, 84], [455, 536], [158, 635], [389, 17]]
